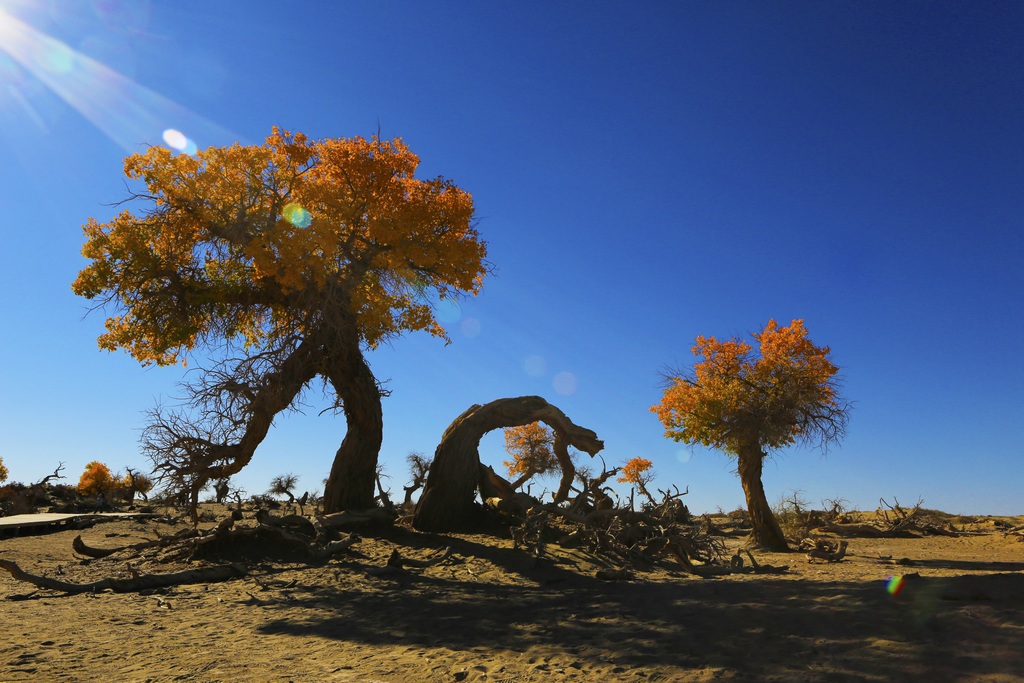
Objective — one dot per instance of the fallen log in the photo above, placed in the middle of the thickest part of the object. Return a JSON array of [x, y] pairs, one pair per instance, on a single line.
[[267, 542], [80, 547], [293, 523], [133, 585], [827, 552], [765, 568], [334, 547], [356, 519], [396, 559], [862, 531]]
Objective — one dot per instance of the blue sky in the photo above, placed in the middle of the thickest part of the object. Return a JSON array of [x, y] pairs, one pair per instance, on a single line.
[[643, 173]]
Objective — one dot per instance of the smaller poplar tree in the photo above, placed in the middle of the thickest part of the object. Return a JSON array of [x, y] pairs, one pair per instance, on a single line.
[[531, 448], [749, 404], [96, 479]]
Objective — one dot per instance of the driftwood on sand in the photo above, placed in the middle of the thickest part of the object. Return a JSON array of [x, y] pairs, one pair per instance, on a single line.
[[823, 550], [134, 584], [82, 548], [275, 537], [892, 521]]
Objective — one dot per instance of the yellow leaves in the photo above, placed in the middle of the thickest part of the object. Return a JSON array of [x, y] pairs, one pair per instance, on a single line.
[[734, 398], [96, 479], [140, 482], [636, 472], [530, 446], [249, 240]]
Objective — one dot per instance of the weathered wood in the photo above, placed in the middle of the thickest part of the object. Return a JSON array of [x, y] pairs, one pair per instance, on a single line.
[[356, 519], [139, 583], [334, 547], [827, 552], [294, 523], [447, 500], [80, 547], [493, 485], [267, 541]]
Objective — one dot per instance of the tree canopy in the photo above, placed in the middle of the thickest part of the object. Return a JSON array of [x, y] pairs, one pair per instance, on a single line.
[[531, 449], [95, 479], [265, 242], [748, 404], [637, 471], [295, 254], [733, 399]]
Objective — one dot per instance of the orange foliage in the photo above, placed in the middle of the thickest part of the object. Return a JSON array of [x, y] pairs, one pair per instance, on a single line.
[[96, 479], [735, 399], [3, 471], [530, 446], [635, 472], [263, 242]]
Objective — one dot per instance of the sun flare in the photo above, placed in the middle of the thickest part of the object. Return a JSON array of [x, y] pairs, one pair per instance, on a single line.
[[128, 113]]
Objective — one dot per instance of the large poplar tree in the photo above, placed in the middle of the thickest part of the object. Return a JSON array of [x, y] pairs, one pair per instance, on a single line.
[[285, 261]]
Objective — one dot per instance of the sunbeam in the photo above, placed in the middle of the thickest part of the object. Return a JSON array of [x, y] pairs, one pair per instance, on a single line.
[[128, 113]]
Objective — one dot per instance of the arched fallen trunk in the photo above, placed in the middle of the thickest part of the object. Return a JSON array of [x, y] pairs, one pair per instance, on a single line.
[[447, 500]]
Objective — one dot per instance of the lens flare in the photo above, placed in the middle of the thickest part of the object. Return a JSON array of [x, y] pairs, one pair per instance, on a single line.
[[59, 59], [894, 585], [175, 139], [470, 327], [126, 112], [564, 383], [448, 311], [297, 215]]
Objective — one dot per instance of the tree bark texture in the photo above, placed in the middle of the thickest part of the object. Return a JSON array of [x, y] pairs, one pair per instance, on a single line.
[[353, 477], [765, 530], [447, 500]]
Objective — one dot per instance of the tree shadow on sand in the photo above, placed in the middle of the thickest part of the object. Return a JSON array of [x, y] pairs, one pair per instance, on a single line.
[[934, 628], [963, 565]]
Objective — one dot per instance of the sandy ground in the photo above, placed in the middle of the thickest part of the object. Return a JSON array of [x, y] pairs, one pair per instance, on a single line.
[[497, 615]]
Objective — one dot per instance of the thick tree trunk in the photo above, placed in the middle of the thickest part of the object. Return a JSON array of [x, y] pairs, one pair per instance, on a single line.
[[351, 484], [447, 500], [766, 532]]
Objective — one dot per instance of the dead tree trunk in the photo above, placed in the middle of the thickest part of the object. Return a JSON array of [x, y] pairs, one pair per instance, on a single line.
[[143, 582], [447, 500]]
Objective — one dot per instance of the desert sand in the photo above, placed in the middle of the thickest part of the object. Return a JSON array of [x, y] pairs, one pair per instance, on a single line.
[[494, 613]]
